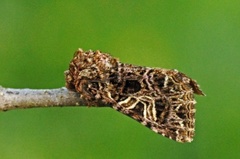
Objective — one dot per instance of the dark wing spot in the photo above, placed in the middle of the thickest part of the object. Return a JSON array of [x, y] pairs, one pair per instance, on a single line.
[[162, 110], [113, 78], [139, 109], [131, 86], [181, 115], [159, 80]]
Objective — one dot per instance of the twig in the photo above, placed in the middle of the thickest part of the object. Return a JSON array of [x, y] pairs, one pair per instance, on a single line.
[[34, 98]]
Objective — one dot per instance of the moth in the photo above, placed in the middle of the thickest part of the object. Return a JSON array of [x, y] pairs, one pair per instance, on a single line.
[[161, 99]]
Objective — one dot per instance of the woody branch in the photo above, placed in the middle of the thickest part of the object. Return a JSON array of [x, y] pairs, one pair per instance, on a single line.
[[11, 98]]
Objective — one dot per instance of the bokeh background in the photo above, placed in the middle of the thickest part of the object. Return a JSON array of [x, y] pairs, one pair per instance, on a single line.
[[200, 38]]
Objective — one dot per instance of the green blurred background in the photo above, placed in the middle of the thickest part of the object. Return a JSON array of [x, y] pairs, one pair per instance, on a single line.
[[200, 38]]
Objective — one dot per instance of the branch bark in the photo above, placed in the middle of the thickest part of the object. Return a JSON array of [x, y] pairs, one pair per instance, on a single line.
[[11, 98]]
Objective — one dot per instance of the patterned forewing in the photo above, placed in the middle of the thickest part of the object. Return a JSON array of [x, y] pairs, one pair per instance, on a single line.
[[160, 99]]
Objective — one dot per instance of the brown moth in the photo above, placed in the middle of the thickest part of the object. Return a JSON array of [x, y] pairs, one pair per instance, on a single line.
[[161, 99]]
